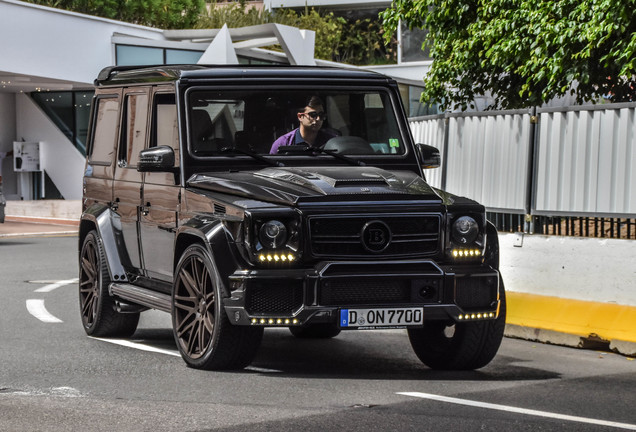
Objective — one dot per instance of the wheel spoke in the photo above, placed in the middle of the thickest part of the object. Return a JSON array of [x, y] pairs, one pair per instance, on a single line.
[[185, 324], [194, 306], [88, 268], [188, 282]]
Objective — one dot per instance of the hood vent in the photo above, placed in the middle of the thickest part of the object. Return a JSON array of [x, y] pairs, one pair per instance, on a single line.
[[359, 182], [219, 209]]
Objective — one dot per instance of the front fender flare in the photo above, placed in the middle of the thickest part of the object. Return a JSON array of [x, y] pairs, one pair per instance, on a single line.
[[108, 226], [212, 234]]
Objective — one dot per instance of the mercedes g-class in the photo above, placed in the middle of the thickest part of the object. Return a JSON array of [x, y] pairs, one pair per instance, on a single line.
[[190, 208]]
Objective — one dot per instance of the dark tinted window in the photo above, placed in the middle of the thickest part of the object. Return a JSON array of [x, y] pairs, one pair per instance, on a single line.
[[363, 121]]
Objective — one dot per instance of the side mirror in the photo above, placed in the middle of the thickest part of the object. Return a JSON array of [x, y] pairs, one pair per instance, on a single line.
[[429, 156], [156, 159]]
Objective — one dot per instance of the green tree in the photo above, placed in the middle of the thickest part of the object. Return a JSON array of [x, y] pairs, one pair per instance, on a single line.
[[524, 52], [156, 13]]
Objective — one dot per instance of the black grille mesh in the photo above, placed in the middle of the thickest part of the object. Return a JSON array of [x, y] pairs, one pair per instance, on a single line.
[[275, 297], [475, 292], [340, 236], [364, 292]]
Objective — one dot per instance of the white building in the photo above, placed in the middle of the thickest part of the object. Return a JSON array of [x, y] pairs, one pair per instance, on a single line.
[[50, 57]]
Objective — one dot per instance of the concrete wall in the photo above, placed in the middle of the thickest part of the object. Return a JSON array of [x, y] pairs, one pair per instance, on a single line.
[[589, 269], [59, 158], [571, 291]]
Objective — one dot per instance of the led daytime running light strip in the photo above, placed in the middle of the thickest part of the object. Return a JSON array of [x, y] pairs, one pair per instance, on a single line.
[[466, 253], [275, 321], [474, 316], [276, 257]]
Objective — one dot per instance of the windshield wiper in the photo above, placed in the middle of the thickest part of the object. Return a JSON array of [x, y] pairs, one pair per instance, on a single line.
[[252, 155], [305, 149]]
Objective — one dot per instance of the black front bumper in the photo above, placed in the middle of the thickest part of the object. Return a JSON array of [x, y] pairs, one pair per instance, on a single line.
[[288, 297]]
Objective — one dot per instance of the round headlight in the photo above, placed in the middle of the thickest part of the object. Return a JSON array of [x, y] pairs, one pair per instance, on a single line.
[[465, 230], [273, 234]]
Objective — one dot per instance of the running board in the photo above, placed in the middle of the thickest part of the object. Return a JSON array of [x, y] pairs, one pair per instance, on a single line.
[[142, 296]]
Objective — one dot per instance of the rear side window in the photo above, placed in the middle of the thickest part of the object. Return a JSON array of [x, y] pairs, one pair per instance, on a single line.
[[165, 129], [105, 131], [133, 137]]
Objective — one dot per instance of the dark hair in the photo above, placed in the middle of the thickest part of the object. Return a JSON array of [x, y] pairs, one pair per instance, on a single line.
[[312, 102]]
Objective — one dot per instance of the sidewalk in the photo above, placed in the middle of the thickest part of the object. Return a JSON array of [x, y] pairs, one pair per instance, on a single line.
[[42, 217], [19, 227]]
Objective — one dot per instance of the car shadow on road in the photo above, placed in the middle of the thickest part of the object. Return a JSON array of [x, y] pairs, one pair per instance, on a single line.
[[356, 355]]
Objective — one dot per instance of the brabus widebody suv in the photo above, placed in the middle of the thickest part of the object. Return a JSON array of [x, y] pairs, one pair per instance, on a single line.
[[188, 209]]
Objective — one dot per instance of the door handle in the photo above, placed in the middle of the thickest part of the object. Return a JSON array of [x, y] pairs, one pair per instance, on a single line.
[[114, 206], [145, 209]]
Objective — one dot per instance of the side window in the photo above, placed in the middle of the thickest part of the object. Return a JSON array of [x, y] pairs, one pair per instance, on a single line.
[[165, 129], [214, 124], [133, 134], [105, 130]]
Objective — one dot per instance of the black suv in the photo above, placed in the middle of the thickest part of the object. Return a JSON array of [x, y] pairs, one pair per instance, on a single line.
[[189, 208]]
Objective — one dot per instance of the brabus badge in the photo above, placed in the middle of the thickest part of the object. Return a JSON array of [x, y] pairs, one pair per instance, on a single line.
[[376, 236]]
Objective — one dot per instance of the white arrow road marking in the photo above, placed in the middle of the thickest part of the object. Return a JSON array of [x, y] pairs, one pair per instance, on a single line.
[[175, 353], [519, 410], [51, 287], [37, 309], [36, 306]]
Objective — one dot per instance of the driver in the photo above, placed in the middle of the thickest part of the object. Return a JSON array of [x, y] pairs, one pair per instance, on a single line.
[[311, 118]]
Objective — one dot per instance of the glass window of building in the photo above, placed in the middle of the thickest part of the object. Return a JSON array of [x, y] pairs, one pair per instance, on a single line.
[[411, 100], [174, 56], [411, 44], [69, 111], [128, 55]]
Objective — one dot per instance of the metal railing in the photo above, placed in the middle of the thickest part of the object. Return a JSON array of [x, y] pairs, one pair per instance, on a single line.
[[561, 171]]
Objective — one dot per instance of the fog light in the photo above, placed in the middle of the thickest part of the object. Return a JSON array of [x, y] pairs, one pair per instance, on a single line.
[[466, 253]]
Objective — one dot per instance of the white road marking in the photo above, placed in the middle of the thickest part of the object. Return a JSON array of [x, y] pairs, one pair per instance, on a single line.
[[139, 346], [517, 410], [262, 370], [68, 392], [37, 309], [175, 353], [52, 286]]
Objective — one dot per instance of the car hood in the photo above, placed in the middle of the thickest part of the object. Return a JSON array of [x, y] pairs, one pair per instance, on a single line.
[[310, 184]]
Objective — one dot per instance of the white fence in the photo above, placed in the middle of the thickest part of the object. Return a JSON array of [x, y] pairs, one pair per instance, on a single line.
[[574, 161]]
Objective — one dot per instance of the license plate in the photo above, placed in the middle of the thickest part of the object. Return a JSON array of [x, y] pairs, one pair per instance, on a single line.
[[372, 318]]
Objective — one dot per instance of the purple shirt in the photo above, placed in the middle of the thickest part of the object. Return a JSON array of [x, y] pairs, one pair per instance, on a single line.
[[294, 137]]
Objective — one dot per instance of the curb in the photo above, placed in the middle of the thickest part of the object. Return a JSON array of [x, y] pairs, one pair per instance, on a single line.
[[42, 220], [569, 322]]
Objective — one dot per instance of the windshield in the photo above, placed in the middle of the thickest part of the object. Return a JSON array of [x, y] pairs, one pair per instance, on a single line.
[[267, 122]]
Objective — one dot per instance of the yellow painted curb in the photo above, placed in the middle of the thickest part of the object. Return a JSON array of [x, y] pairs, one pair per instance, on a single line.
[[582, 318]]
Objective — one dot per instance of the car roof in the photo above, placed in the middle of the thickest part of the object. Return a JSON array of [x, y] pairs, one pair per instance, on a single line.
[[120, 75]]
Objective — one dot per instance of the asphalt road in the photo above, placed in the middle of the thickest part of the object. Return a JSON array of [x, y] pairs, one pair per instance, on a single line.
[[55, 378]]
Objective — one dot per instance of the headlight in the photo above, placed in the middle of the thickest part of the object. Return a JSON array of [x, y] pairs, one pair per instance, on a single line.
[[272, 238], [273, 234], [465, 230]]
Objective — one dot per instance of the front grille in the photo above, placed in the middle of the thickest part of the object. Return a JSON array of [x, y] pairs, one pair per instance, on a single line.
[[475, 292], [342, 236], [274, 297], [364, 292]]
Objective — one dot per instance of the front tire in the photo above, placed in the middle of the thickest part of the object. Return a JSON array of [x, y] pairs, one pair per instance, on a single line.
[[97, 307], [462, 346], [205, 337]]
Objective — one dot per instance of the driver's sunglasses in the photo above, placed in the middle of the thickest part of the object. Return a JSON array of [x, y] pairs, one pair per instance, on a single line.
[[315, 114]]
